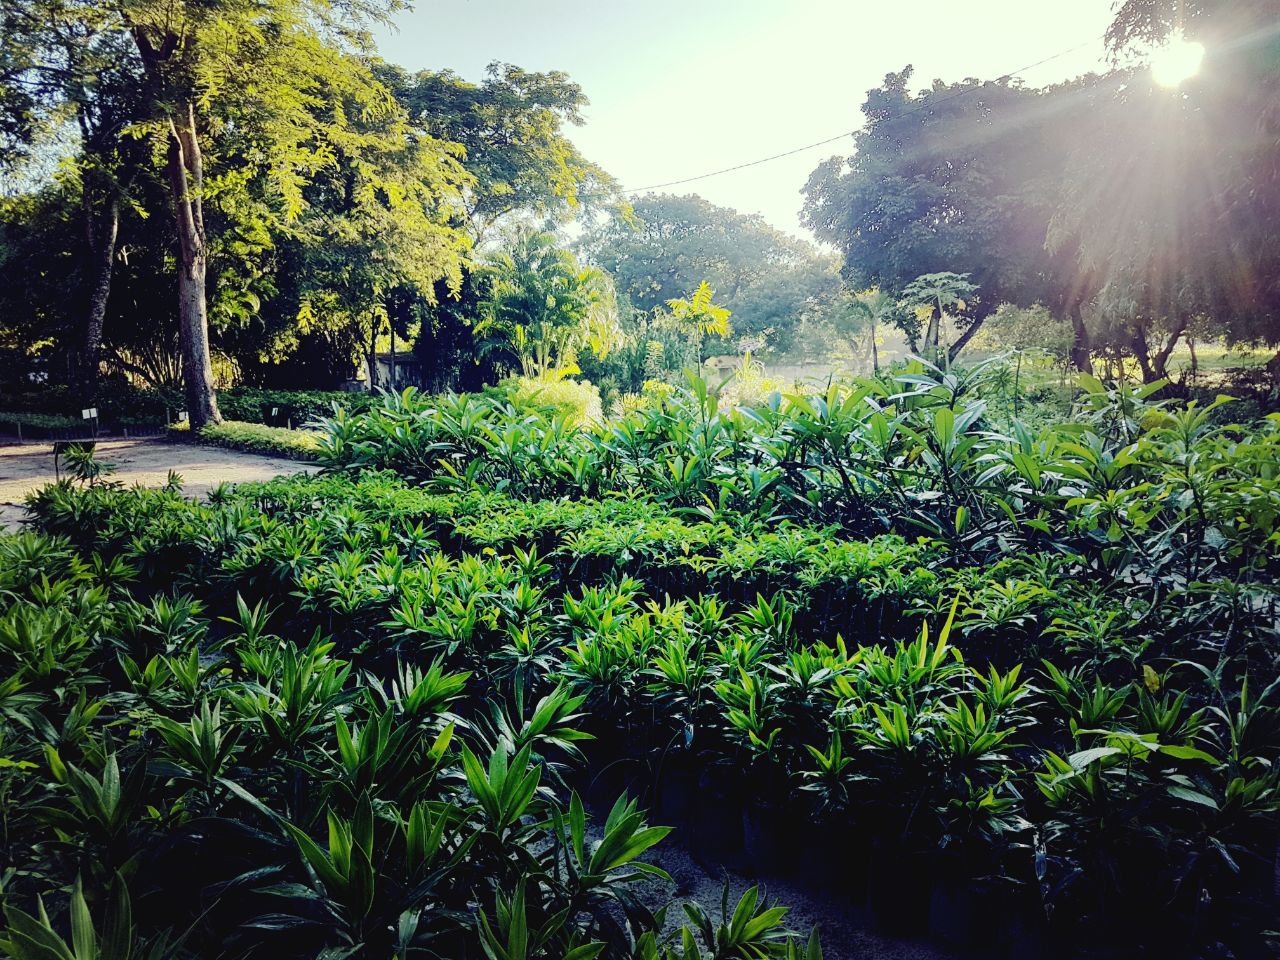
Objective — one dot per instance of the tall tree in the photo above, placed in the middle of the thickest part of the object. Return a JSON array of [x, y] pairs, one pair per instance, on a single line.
[[951, 179], [701, 316], [374, 237], [40, 261], [64, 70], [859, 317], [548, 307], [266, 58], [511, 128], [939, 297], [1170, 197]]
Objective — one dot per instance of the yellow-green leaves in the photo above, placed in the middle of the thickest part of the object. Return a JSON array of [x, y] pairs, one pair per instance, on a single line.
[[700, 313]]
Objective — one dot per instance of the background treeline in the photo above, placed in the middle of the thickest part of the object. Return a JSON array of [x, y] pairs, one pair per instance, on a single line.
[[202, 196], [327, 205]]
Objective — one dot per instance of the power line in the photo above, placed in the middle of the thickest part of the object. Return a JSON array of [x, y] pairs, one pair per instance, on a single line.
[[848, 133]]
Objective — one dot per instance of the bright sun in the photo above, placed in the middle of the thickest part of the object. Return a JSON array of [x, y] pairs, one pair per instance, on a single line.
[[1177, 61]]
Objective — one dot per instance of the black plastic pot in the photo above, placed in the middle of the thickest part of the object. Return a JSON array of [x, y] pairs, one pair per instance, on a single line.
[[676, 790], [609, 782], [1026, 937], [899, 887], [769, 838], [969, 911], [717, 822], [832, 854]]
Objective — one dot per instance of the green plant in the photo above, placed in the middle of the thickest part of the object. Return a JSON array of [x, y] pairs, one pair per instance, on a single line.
[[258, 438]]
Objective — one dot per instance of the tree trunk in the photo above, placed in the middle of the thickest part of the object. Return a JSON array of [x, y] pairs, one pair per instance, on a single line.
[[1080, 357], [392, 325], [1143, 355], [1273, 368], [931, 335], [1160, 362], [186, 182], [371, 359], [102, 250], [963, 339]]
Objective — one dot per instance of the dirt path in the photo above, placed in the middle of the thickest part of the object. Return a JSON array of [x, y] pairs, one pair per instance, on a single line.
[[146, 462]]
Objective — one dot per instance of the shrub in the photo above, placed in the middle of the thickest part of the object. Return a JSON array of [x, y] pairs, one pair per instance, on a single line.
[[299, 407], [576, 400], [45, 421], [779, 659], [203, 763], [258, 438], [1134, 486], [1050, 671], [750, 386]]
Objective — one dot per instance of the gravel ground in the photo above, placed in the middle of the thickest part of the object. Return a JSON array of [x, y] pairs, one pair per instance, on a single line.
[[845, 926], [27, 467], [845, 930]]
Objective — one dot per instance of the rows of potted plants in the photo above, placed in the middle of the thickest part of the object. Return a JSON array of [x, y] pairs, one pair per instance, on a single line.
[[946, 669], [1136, 766], [177, 787], [1137, 487]]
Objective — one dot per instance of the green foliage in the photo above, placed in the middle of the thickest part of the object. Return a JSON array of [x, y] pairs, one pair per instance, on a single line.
[[511, 126], [859, 319], [48, 421], [301, 407], [559, 596], [258, 438], [291, 797], [921, 194], [1060, 195], [576, 401], [1028, 329], [700, 316], [547, 308], [912, 453]]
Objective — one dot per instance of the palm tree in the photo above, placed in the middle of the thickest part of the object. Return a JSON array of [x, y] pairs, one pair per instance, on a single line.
[[938, 292], [700, 316], [548, 307]]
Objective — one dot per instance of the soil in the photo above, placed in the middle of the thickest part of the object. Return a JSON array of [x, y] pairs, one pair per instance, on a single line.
[[27, 467]]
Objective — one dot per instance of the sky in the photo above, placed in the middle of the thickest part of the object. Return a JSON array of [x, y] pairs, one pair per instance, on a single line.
[[680, 88]]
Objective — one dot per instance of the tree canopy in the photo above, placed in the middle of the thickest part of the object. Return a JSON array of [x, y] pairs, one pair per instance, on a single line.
[[1137, 212], [318, 199], [511, 131], [212, 191], [767, 278], [957, 178]]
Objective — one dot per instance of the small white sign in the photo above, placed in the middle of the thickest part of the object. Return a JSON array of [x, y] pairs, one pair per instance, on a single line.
[[182, 416], [89, 413], [275, 411]]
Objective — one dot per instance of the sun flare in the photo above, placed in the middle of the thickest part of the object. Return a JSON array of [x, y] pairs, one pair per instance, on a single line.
[[1177, 61]]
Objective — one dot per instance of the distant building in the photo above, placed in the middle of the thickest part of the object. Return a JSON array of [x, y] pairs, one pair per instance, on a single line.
[[398, 370], [726, 361]]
